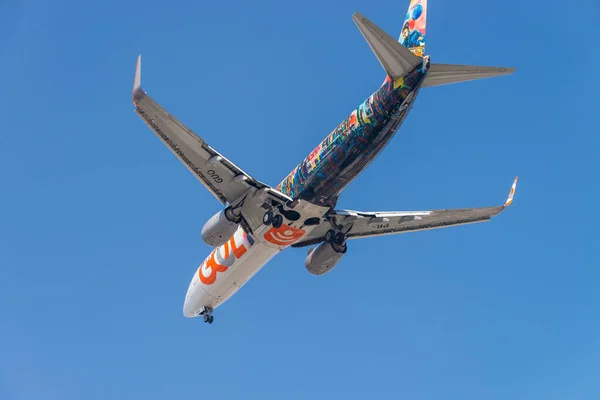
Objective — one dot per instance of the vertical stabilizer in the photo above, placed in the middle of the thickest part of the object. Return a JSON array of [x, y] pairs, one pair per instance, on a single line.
[[412, 35]]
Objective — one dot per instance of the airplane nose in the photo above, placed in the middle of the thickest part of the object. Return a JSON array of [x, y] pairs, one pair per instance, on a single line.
[[196, 298], [188, 310], [195, 302]]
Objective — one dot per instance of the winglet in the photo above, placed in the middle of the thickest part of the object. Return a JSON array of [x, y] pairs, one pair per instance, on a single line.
[[137, 92], [509, 200]]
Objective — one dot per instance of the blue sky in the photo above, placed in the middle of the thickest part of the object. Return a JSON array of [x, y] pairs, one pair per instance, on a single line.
[[100, 229]]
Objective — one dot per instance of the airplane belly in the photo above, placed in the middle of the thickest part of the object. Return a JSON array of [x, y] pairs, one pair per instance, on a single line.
[[236, 275], [228, 268]]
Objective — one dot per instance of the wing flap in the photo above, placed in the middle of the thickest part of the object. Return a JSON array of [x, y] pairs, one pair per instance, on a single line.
[[205, 164]]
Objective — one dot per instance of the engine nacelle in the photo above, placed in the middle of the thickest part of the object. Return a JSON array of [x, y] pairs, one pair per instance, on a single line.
[[220, 227], [324, 258]]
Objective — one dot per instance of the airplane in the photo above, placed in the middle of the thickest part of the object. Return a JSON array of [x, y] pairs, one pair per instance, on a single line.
[[257, 221]]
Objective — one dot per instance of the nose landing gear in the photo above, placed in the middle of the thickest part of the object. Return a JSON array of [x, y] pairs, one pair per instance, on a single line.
[[207, 313]]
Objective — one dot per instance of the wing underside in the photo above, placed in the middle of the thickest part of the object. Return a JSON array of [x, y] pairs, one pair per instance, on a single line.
[[357, 224], [222, 178], [225, 180]]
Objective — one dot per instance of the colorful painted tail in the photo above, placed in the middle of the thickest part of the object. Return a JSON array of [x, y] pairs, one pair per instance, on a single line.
[[399, 57], [412, 35]]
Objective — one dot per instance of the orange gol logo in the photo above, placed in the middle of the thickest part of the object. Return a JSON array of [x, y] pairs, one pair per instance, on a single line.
[[223, 257], [284, 235]]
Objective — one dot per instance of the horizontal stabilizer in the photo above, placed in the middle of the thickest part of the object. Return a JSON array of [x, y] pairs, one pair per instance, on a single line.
[[445, 74], [396, 59]]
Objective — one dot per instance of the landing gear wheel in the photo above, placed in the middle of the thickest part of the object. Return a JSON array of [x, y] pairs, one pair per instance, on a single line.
[[330, 236], [268, 217], [335, 237], [277, 221], [207, 314], [339, 238]]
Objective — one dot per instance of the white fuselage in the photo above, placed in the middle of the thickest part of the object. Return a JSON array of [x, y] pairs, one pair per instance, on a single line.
[[230, 266]]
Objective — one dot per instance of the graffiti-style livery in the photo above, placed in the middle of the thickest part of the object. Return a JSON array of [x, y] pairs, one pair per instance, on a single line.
[[346, 151], [257, 221]]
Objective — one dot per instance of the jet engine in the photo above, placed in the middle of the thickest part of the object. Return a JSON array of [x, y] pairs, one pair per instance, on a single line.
[[324, 258], [220, 227]]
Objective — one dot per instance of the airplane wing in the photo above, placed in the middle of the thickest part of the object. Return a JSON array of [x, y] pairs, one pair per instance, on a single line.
[[225, 180], [356, 224]]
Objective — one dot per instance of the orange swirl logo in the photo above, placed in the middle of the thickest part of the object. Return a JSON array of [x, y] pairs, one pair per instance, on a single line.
[[284, 235]]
